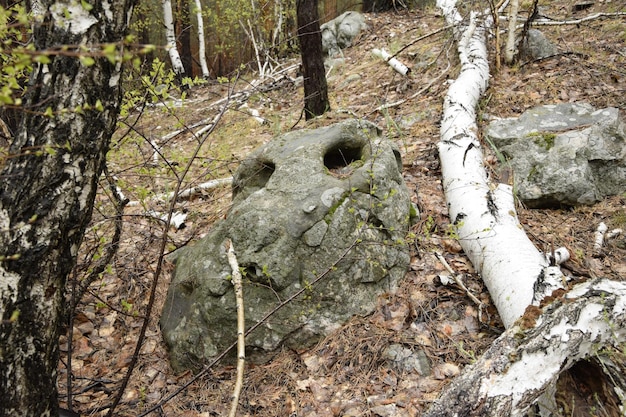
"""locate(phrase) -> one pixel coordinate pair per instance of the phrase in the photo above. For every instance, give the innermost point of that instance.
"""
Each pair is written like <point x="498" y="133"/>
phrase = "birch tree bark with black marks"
<point x="201" y="44"/>
<point x="47" y="189"/>
<point x="170" y="37"/>
<point x="549" y="330"/>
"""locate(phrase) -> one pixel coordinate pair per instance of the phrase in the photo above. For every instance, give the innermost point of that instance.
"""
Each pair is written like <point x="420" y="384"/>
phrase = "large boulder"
<point x="566" y="154"/>
<point x="327" y="201"/>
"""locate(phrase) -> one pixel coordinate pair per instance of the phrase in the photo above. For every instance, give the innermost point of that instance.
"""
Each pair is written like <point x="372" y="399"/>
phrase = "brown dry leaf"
<point x="107" y="327"/>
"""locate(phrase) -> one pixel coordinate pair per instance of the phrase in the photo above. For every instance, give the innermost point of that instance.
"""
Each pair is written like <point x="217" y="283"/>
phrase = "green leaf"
<point x="87" y="61"/>
<point x="110" y="52"/>
<point x="14" y="316"/>
<point x="86" y="5"/>
<point x="42" y="59"/>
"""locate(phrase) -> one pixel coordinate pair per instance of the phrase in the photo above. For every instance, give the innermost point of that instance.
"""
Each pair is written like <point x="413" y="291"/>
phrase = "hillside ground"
<point x="348" y="373"/>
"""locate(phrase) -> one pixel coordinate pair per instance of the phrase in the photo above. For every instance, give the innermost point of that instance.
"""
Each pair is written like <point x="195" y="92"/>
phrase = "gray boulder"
<point x="327" y="201"/>
<point x="565" y="154"/>
<point x="338" y="34"/>
<point x="536" y="46"/>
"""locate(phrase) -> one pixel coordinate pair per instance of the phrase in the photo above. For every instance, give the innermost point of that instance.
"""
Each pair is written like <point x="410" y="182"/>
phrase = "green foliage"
<point x="543" y="139"/>
<point x="16" y="55"/>
<point x="152" y="86"/>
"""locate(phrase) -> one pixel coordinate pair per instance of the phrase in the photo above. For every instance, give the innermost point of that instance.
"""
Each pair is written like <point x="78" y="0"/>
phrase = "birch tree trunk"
<point x="525" y="362"/>
<point x="484" y="214"/>
<point x="47" y="189"/>
<point x="509" y="51"/>
<point x="170" y="37"/>
<point x="201" y="45"/>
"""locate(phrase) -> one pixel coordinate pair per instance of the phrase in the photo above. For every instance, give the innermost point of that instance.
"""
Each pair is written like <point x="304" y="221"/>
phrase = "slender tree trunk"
<point x="509" y="51"/>
<point x="315" y="88"/>
<point x="47" y="189"/>
<point x="183" y="29"/>
<point x="170" y="36"/>
<point x="201" y="44"/>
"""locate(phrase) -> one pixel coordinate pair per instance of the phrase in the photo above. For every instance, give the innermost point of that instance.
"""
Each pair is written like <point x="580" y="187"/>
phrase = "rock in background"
<point x="309" y="202"/>
<point x="338" y="34"/>
<point x="565" y="154"/>
<point x="536" y="46"/>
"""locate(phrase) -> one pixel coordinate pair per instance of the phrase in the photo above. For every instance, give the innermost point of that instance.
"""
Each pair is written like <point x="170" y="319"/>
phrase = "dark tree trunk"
<point x="183" y="31"/>
<point x="310" y="37"/>
<point x="47" y="189"/>
<point x="371" y="6"/>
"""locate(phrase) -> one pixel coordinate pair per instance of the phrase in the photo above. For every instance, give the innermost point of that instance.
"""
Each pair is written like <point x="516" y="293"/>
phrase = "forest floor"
<point x="346" y="374"/>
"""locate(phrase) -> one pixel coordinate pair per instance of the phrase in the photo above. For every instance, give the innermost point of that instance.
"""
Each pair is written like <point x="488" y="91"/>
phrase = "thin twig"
<point x="288" y="300"/>
<point x="420" y="92"/>
<point x="241" y="326"/>
<point x="577" y="21"/>
<point x="421" y="38"/>
<point x="157" y="273"/>
<point x="78" y="291"/>
<point x="460" y="283"/>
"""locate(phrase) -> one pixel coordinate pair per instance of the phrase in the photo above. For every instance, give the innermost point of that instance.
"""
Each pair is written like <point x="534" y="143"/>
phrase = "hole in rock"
<point x="341" y="156"/>
<point x="255" y="177"/>
<point x="257" y="274"/>
<point x="265" y="171"/>
<point x="396" y="153"/>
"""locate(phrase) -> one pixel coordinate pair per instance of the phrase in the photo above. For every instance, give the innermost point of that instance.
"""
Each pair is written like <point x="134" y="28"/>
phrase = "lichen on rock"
<point x="311" y="201"/>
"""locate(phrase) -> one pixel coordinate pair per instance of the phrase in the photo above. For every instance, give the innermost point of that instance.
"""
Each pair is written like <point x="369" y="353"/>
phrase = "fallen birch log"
<point x="523" y="365"/>
<point x="398" y="66"/>
<point x="189" y="192"/>
<point x="525" y="361"/>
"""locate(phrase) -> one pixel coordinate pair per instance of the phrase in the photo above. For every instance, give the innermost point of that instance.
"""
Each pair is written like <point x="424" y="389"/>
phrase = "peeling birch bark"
<point x="513" y="270"/>
<point x="526" y="360"/>
<point x="523" y="365"/>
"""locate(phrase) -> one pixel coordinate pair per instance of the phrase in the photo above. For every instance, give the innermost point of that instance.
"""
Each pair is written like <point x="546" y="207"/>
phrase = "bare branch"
<point x="159" y="268"/>
<point x="241" y="339"/>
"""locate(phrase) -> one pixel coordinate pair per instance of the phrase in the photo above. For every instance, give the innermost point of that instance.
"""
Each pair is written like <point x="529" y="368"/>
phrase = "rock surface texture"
<point x="536" y="46"/>
<point x="338" y="34"/>
<point x="566" y="154"/>
<point x="330" y="200"/>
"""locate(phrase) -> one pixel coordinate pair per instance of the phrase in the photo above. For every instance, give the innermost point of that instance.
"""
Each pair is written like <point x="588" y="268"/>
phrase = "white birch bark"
<point x="398" y="66"/>
<point x="484" y="215"/>
<point x="170" y="37"/>
<point x="509" y="51"/>
<point x="522" y="366"/>
<point x="201" y="45"/>
<point x="525" y="361"/>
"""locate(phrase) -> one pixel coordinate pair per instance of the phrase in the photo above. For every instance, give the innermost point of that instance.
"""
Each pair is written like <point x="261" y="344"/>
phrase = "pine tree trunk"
<point x="47" y="190"/>
<point x="315" y="88"/>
